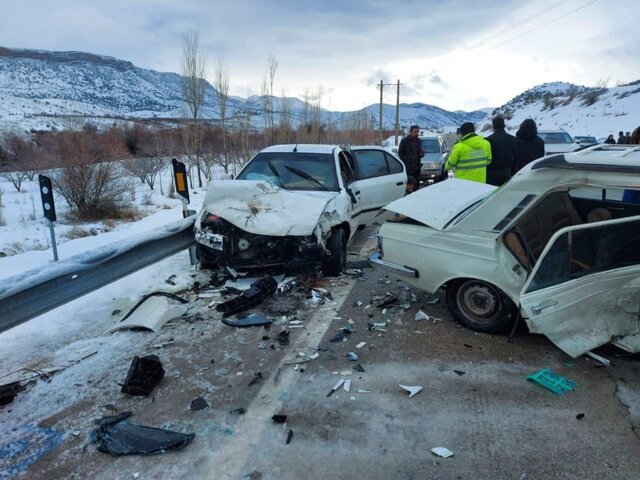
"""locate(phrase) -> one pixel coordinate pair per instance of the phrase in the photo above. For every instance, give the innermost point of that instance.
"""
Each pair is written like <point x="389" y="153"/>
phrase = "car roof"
<point x="300" y="148"/>
<point x="608" y="158"/>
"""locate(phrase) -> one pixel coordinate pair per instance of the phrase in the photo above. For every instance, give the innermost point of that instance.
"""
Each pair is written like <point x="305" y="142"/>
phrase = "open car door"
<point x="584" y="291"/>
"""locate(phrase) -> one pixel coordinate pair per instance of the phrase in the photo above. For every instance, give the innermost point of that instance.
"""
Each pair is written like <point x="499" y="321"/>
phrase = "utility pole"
<point x="381" y="86"/>
<point x="398" y="112"/>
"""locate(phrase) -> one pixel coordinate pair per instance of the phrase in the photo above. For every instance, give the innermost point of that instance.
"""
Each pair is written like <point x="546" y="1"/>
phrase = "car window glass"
<point x="592" y="193"/>
<point x="584" y="251"/>
<point x="345" y="170"/>
<point x="555" y="137"/>
<point x="394" y="164"/>
<point x="430" y="145"/>
<point x="371" y="163"/>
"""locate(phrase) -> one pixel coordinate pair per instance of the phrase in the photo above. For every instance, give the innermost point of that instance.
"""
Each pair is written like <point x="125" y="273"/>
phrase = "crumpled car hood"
<point x="437" y="204"/>
<point x="265" y="209"/>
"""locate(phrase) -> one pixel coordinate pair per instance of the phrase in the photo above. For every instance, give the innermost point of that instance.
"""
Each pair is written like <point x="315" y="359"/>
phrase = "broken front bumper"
<point x="393" y="268"/>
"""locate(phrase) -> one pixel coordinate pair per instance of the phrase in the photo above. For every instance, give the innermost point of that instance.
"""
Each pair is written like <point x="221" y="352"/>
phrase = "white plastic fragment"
<point x="346" y="373"/>
<point x="412" y="389"/>
<point x="598" y="358"/>
<point x="295" y="322"/>
<point x="442" y="452"/>
<point x="136" y="474"/>
<point x="352" y="357"/>
<point x="360" y="390"/>
<point x="314" y="356"/>
<point x="420" y="315"/>
<point x="361" y="344"/>
<point x="338" y="384"/>
<point x="347" y="385"/>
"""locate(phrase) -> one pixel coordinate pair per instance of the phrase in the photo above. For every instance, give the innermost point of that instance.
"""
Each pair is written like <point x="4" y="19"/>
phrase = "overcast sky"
<point x="455" y="54"/>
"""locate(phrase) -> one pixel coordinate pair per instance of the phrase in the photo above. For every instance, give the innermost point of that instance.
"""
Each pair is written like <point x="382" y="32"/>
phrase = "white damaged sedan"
<point x="296" y="206"/>
<point x="558" y="244"/>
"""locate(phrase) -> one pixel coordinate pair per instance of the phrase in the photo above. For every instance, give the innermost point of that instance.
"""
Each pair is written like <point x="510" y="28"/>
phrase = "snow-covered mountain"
<point x="576" y="109"/>
<point x="39" y="89"/>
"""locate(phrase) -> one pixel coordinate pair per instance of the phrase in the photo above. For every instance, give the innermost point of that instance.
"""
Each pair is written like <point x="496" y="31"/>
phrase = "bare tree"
<point x="194" y="87"/>
<point x="267" y="97"/>
<point x="222" y="92"/>
<point x="286" y="119"/>
<point x="14" y="154"/>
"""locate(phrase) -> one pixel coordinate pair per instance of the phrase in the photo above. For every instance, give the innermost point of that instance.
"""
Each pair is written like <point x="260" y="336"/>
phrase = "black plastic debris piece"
<point x="467" y="345"/>
<point x="259" y="290"/>
<point x="257" y="376"/>
<point x="255" y="475"/>
<point x="338" y="337"/>
<point x="198" y="404"/>
<point x="144" y="374"/>
<point x="289" y="436"/>
<point x="580" y="416"/>
<point x="459" y="372"/>
<point x="359" y="368"/>
<point x="238" y="411"/>
<point x="279" y="418"/>
<point x="116" y="436"/>
<point x="391" y="299"/>
<point x="110" y="406"/>
<point x="252" y="320"/>
<point x="9" y="391"/>
<point x="116" y="312"/>
<point x="283" y="338"/>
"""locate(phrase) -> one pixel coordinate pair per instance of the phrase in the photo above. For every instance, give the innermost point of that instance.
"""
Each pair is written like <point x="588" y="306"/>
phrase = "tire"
<point x="334" y="264"/>
<point x="480" y="306"/>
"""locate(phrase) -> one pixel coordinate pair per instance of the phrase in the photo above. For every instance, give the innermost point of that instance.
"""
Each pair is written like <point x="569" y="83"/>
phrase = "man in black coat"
<point x="530" y="145"/>
<point x="504" y="154"/>
<point x="410" y="152"/>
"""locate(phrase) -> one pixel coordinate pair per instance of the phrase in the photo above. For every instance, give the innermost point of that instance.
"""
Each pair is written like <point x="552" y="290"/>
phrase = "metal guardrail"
<point x="30" y="294"/>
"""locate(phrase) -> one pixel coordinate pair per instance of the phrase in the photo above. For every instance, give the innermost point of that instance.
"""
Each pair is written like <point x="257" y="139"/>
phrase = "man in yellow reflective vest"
<point x="470" y="155"/>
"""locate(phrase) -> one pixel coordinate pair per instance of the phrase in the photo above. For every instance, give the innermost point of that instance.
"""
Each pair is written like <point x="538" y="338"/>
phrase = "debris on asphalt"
<point x="346" y="386"/>
<point x="116" y="436"/>
<point x="580" y="416"/>
<point x="198" y="404"/>
<point x="338" y="384"/>
<point x="279" y="418"/>
<point x="352" y="357"/>
<point x="257" y="376"/>
<point x="553" y="381"/>
<point x="287" y="284"/>
<point x="412" y="389"/>
<point x="251" y="320"/>
<point x="359" y="368"/>
<point x="459" y="372"/>
<point x="377" y="326"/>
<point x="238" y="411"/>
<point x="144" y="374"/>
<point x="442" y="452"/>
<point x="340" y="336"/>
<point x="598" y="358"/>
<point x="433" y="301"/>
<point x="420" y="315"/>
<point x="314" y="356"/>
<point x="318" y="294"/>
<point x="344" y="373"/>
<point x="259" y="290"/>
<point x="361" y="344"/>
<point x="360" y="390"/>
<point x="283" y="338"/>
<point x="164" y="344"/>
<point x="151" y="312"/>
<point x="385" y="302"/>
<point x="289" y="437"/>
<point x="357" y="303"/>
<point x="9" y="391"/>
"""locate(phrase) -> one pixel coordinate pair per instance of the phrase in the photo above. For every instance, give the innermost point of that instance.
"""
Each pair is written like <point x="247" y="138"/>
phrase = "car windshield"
<point x="430" y="145"/>
<point x="293" y="170"/>
<point x="555" y="137"/>
<point x="586" y="140"/>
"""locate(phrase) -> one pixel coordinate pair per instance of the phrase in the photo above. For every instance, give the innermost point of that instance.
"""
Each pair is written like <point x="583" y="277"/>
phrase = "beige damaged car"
<point x="559" y="244"/>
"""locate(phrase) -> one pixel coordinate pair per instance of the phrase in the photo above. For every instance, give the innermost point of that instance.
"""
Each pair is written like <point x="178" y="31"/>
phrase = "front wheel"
<point x="336" y="262"/>
<point x="480" y="306"/>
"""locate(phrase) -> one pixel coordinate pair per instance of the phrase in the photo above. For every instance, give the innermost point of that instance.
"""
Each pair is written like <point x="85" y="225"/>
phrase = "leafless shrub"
<point x="3" y="221"/>
<point x="590" y="97"/>
<point x="78" y="232"/>
<point x="147" y="199"/>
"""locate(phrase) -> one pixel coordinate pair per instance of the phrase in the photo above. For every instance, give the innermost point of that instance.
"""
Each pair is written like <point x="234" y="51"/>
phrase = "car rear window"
<point x="555" y="137"/>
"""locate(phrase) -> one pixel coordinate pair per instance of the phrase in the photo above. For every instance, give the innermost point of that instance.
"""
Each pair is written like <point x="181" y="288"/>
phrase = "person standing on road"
<point x="622" y="140"/>
<point x="627" y="137"/>
<point x="410" y="152"/>
<point x="610" y="140"/>
<point x="504" y="154"/>
<point x="470" y="155"/>
<point x="530" y="145"/>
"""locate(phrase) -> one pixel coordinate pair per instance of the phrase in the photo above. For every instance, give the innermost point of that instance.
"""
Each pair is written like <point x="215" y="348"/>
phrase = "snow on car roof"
<point x="614" y="158"/>
<point x="301" y="148"/>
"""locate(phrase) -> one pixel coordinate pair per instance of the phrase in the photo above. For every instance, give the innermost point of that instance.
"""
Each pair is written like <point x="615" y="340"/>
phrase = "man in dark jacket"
<point x="410" y="152"/>
<point x="504" y="153"/>
<point x="530" y="145"/>
<point x="622" y="140"/>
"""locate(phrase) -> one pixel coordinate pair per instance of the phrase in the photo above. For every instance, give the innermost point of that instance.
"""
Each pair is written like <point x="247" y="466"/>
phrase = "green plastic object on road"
<point x="553" y="381"/>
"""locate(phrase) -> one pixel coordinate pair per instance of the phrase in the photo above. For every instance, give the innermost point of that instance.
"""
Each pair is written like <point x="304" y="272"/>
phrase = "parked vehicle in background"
<point x="558" y="244"/>
<point x="294" y="206"/>
<point x="557" y="141"/>
<point x="432" y="164"/>
<point x="585" y="141"/>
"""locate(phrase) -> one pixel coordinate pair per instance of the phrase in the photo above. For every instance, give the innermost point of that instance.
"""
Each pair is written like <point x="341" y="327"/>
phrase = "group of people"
<point x="623" y="139"/>
<point x="493" y="160"/>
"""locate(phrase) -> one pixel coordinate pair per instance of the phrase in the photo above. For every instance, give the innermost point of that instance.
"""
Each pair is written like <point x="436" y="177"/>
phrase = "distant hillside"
<point x="576" y="109"/>
<point x="38" y="89"/>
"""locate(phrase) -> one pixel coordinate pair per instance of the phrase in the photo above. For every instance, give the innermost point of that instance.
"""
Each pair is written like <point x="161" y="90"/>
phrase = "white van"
<point x="557" y="141"/>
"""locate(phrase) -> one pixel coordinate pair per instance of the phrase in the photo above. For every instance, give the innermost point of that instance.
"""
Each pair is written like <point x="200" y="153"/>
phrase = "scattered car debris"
<point x="338" y="384"/>
<point x="279" y="418"/>
<point x="412" y="389"/>
<point x="385" y="302"/>
<point x="361" y="344"/>
<point x="357" y="303"/>
<point x="346" y="386"/>
<point x="359" y="368"/>
<point x="340" y="336"/>
<point x="433" y="301"/>
<point x="251" y="320"/>
<point x="289" y="437"/>
<point x="553" y="381"/>
<point x="259" y="290"/>
<point x="377" y="326"/>
<point x="238" y="411"/>
<point x="257" y="376"/>
<point x="420" y="315"/>
<point x="580" y="416"/>
<point x="144" y="374"/>
<point x="116" y="436"/>
<point x="318" y="294"/>
<point x="598" y="358"/>
<point x="287" y="284"/>
<point x="164" y="344"/>
<point x="352" y="357"/>
<point x="442" y="452"/>
<point x="313" y="356"/>
<point x="360" y="390"/>
<point x="459" y="372"/>
<point x="152" y="312"/>
<point x="283" y="338"/>
<point x="9" y="391"/>
<point x="198" y="404"/>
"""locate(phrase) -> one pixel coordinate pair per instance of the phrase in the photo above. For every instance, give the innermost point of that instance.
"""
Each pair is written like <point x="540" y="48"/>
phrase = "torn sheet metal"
<point x="260" y="289"/>
<point x="115" y="435"/>
<point x="265" y="209"/>
<point x="152" y="314"/>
